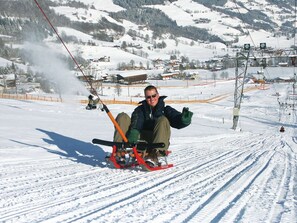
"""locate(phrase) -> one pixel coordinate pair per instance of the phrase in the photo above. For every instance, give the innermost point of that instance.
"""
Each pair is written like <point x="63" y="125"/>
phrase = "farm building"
<point x="129" y="76"/>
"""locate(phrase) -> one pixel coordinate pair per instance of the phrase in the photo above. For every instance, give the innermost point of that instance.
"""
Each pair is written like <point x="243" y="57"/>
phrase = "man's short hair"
<point x="150" y="87"/>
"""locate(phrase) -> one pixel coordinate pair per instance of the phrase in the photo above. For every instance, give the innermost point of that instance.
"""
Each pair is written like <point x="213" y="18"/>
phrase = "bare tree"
<point x="118" y="89"/>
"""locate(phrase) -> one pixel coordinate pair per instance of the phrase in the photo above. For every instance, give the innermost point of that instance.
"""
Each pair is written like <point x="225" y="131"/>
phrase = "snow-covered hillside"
<point x="51" y="172"/>
<point x="232" y="22"/>
<point x="184" y="13"/>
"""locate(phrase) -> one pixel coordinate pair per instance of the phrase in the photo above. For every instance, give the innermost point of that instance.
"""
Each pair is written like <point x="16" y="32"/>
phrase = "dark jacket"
<point x="144" y="118"/>
<point x="93" y="101"/>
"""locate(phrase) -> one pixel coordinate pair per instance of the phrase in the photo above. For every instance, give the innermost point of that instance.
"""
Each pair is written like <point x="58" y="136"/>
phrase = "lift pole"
<point x="240" y="74"/>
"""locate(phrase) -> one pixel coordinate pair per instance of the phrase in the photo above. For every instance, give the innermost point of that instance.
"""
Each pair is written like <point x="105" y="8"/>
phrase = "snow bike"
<point x="126" y="155"/>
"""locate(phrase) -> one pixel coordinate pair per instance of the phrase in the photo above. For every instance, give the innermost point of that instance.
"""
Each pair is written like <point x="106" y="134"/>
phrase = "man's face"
<point x="152" y="97"/>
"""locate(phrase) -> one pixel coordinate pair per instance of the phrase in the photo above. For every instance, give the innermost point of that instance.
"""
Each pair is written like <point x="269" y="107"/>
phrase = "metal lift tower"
<point x="240" y="74"/>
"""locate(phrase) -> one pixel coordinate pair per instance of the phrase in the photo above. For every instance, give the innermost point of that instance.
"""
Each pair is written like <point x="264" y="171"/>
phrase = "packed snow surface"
<point x="51" y="172"/>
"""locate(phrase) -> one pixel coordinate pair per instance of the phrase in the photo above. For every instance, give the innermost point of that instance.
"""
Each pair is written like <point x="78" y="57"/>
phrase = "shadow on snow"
<point x="73" y="149"/>
<point x="76" y="150"/>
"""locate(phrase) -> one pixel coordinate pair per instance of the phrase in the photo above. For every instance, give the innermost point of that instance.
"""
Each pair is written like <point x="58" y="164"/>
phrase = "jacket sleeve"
<point x="96" y="101"/>
<point x="174" y="117"/>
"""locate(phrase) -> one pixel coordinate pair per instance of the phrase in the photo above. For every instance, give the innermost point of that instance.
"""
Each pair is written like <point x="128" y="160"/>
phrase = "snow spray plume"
<point x="48" y="62"/>
<point x="104" y="106"/>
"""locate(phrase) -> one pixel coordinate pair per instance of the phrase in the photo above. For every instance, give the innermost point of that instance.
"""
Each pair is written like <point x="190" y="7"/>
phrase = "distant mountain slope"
<point x="145" y="30"/>
<point x="275" y="17"/>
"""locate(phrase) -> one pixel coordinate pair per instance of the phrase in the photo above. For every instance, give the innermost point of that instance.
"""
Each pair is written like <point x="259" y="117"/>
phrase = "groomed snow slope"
<point x="50" y="172"/>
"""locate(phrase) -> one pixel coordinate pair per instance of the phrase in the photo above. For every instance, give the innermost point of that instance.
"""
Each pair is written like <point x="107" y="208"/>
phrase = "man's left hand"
<point x="186" y="116"/>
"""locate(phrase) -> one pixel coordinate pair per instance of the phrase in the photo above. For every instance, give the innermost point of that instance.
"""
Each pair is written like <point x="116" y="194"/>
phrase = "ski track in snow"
<point x="218" y="179"/>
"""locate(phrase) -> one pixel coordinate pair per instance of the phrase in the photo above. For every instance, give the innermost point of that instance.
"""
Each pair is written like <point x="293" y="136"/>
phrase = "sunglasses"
<point x="151" y="96"/>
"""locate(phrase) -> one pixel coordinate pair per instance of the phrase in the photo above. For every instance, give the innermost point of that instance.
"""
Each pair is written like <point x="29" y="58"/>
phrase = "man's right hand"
<point x="133" y="135"/>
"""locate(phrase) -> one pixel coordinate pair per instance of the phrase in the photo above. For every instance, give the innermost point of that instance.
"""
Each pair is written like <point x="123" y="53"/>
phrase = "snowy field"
<point x="51" y="172"/>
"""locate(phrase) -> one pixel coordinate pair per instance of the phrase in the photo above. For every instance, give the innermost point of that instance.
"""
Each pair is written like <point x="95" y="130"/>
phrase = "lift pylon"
<point x="242" y="59"/>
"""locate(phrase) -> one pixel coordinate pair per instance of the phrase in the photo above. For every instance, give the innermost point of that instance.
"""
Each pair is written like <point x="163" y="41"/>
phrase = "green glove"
<point x="133" y="135"/>
<point x="186" y="116"/>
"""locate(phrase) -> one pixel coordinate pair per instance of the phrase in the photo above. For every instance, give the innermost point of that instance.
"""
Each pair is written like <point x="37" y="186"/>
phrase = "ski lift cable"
<point x="237" y="8"/>
<point x="290" y="101"/>
<point x="253" y="43"/>
<point x="103" y="106"/>
<point x="283" y="106"/>
<point x="61" y="40"/>
<point x="294" y="33"/>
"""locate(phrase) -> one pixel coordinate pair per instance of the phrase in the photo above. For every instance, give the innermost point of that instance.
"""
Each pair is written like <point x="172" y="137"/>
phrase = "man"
<point x="151" y="122"/>
<point x="92" y="103"/>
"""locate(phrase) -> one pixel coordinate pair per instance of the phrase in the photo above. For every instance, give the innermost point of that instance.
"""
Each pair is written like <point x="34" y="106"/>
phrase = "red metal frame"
<point x="140" y="161"/>
<point x="146" y="166"/>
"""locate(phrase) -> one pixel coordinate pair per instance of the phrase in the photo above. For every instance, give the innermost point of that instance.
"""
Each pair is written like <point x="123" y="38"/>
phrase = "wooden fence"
<point x="168" y="101"/>
<point x="30" y="97"/>
<point x="116" y="101"/>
